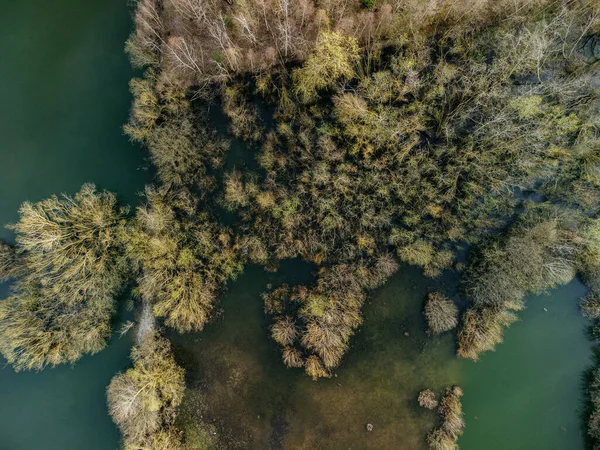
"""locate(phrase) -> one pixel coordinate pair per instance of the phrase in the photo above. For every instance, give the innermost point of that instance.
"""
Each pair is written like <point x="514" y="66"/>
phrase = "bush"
<point x="314" y="368"/>
<point x="482" y="330"/>
<point x="427" y="399"/>
<point x="438" y="440"/>
<point x="368" y="3"/>
<point x="333" y="58"/>
<point x="590" y="306"/>
<point x="446" y="437"/>
<point x="184" y="258"/>
<point x="292" y="357"/>
<point x="284" y="332"/>
<point x="8" y="261"/>
<point x="440" y="312"/>
<point x="537" y="253"/>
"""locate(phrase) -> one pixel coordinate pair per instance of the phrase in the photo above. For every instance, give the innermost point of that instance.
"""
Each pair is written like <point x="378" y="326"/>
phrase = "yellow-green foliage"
<point x="243" y="115"/>
<point x="535" y="257"/>
<point x="482" y="329"/>
<point x="37" y="329"/>
<point x="180" y="145"/>
<point x="143" y="401"/>
<point x="412" y="150"/>
<point x="184" y="258"/>
<point x="8" y="262"/>
<point x="314" y="368"/>
<point x="590" y="306"/>
<point x="334" y="57"/>
<point x="72" y="245"/>
<point x="578" y="179"/>
<point x="328" y="312"/>
<point x="69" y="267"/>
<point x="589" y="256"/>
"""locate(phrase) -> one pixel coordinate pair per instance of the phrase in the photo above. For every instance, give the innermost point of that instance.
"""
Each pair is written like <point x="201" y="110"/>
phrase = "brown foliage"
<point x="440" y="312"/>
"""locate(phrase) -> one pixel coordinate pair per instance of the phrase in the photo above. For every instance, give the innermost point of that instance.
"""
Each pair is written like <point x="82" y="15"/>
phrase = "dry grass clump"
<point x="292" y="357"/>
<point x="284" y="332"/>
<point x="315" y="368"/>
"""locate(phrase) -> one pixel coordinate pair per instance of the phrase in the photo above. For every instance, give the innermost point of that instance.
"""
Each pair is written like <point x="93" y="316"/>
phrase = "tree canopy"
<point x="69" y="266"/>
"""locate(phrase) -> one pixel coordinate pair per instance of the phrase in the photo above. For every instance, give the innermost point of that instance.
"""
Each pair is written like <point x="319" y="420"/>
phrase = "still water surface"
<point x="63" y="85"/>
<point x="64" y="95"/>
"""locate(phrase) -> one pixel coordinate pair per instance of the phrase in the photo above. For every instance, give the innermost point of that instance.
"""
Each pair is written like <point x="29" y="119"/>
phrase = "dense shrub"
<point x="440" y="312"/>
<point x="427" y="399"/>
<point x="537" y="253"/>
<point x="184" y="258"/>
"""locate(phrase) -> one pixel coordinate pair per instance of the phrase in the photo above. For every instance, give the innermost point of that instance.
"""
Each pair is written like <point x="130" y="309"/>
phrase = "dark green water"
<point x="63" y="86"/>
<point x="64" y="95"/>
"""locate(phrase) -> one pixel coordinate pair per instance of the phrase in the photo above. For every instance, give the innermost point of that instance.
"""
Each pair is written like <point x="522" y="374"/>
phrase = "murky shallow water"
<point x="524" y="396"/>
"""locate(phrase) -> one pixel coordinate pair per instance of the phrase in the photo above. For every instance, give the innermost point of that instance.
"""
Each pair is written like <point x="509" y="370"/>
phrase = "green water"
<point x="525" y="396"/>
<point x="528" y="394"/>
<point x="64" y="95"/>
<point x="63" y="86"/>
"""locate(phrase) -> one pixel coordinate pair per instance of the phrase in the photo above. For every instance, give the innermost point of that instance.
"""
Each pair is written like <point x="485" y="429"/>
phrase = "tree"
<point x="72" y="246"/>
<point x="333" y="57"/>
<point x="70" y="266"/>
<point x="184" y="258"/>
<point x="143" y="401"/>
<point x="38" y="329"/>
<point x="482" y="330"/>
<point x="8" y="261"/>
<point x="538" y="252"/>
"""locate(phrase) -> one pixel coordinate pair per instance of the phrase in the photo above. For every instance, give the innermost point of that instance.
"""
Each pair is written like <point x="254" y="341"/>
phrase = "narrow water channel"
<point x="64" y="100"/>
